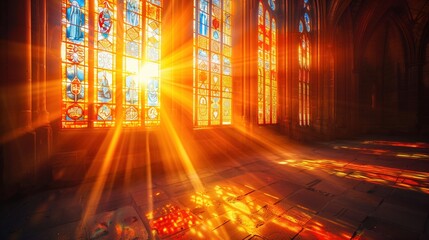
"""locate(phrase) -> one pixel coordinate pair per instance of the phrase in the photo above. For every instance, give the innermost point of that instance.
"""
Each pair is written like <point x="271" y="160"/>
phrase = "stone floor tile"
<point x="360" y="201"/>
<point x="374" y="228"/>
<point x="338" y="212"/>
<point x="313" y="201"/>
<point x="141" y="197"/>
<point x="320" y="228"/>
<point x="409" y="219"/>
<point x="403" y="197"/>
<point x="70" y="231"/>
<point x="230" y="231"/>
<point x="254" y="180"/>
<point x="279" y="228"/>
<point x="298" y="215"/>
<point x="280" y="189"/>
<point x="262" y="196"/>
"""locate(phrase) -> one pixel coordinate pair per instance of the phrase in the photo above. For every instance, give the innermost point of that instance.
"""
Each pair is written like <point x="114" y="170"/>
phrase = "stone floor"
<point x="356" y="189"/>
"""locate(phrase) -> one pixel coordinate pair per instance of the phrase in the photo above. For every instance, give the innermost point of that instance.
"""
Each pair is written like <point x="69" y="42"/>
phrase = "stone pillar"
<point x="40" y="114"/>
<point x="18" y="138"/>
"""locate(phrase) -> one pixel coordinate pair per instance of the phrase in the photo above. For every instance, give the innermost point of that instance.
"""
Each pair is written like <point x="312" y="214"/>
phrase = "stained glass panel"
<point x="74" y="54"/>
<point x="105" y="64"/>
<point x="152" y="71"/>
<point x="132" y="55"/>
<point x="304" y="59"/>
<point x="272" y="4"/>
<point x="267" y="67"/>
<point x="212" y="66"/>
<point x="117" y="83"/>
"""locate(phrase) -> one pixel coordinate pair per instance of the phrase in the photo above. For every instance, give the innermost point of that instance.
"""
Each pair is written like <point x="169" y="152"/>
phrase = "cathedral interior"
<point x="214" y="119"/>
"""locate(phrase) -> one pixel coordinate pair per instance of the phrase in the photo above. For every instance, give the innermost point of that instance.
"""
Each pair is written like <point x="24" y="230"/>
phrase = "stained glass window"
<point x="110" y="77"/>
<point x="304" y="60"/>
<point x="74" y="55"/>
<point x="132" y="52"/>
<point x="212" y="63"/>
<point x="272" y="4"/>
<point x="153" y="63"/>
<point x="105" y="64"/>
<point x="267" y="66"/>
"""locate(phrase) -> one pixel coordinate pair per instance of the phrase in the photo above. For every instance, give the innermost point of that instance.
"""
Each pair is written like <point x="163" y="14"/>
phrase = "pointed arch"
<point x="267" y="64"/>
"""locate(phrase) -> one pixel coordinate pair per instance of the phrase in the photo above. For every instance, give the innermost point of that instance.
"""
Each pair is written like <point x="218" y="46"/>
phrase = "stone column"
<point x="40" y="114"/>
<point x="18" y="138"/>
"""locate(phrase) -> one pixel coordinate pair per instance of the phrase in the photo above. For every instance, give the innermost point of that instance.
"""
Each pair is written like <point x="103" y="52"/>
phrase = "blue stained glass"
<point x="272" y="4"/>
<point x="132" y="49"/>
<point x="204" y="6"/>
<point x="75" y="72"/>
<point x="152" y="94"/>
<point x="131" y="95"/>
<point x="203" y="55"/>
<point x="216" y="35"/>
<point x="215" y="58"/>
<point x="132" y="12"/>
<point x="76" y="20"/>
<point x="156" y="2"/>
<point x="216" y="2"/>
<point x="203" y="29"/>
<point x="305" y="1"/>
<point x="307" y="21"/>
<point x="226" y="61"/>
<point x="301" y="26"/>
<point x="105" y="91"/>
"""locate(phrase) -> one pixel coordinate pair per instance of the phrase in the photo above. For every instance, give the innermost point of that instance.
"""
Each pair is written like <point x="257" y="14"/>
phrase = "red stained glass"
<point x="212" y="34"/>
<point x="267" y="60"/>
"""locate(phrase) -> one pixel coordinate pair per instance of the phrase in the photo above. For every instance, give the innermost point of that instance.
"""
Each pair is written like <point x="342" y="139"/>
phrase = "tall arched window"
<point x="111" y="68"/>
<point x="267" y="65"/>
<point x="304" y="59"/>
<point x="212" y="63"/>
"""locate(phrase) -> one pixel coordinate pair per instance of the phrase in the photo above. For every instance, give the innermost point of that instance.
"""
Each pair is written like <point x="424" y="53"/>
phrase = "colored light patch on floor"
<point x="123" y="223"/>
<point x="173" y="220"/>
<point x="401" y="178"/>
<point x="398" y="144"/>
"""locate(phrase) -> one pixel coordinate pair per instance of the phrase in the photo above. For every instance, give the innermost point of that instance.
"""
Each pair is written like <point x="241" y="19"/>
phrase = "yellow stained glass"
<point x="212" y="63"/>
<point x="267" y="70"/>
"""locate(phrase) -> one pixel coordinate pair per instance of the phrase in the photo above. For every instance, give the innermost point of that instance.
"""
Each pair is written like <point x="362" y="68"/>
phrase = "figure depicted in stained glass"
<point x="132" y="10"/>
<point x="76" y="20"/>
<point x="131" y="93"/>
<point x="105" y="20"/>
<point x="104" y="93"/>
<point x="152" y="96"/>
